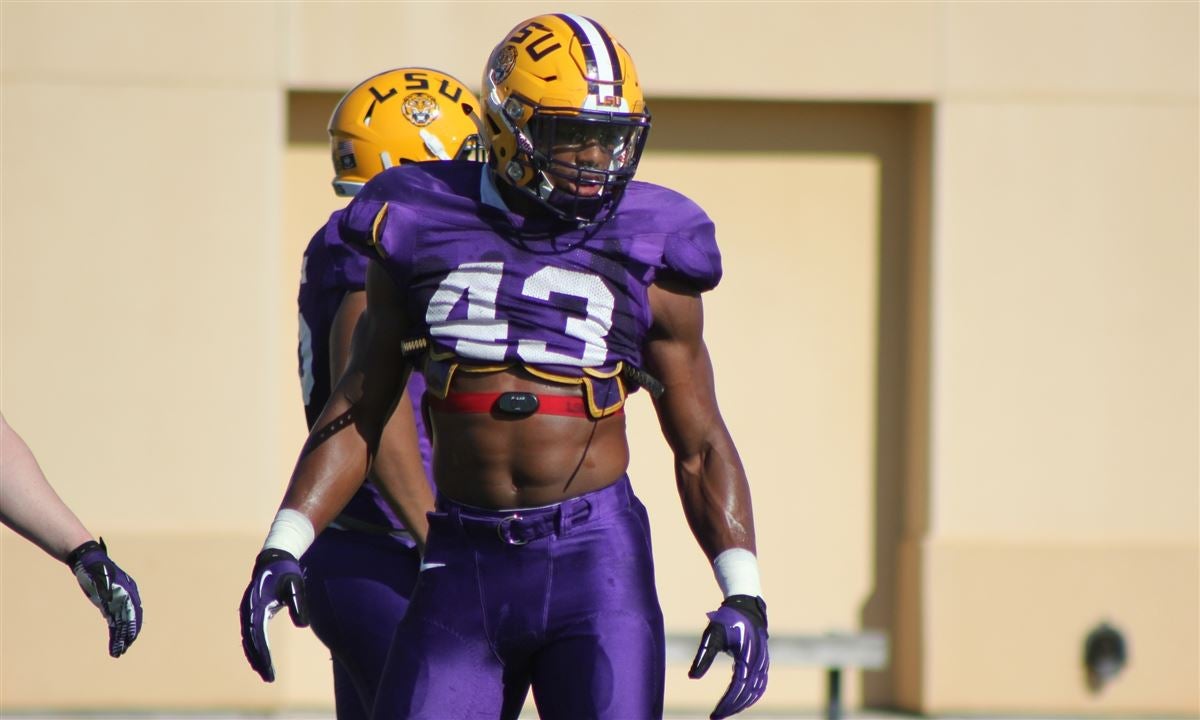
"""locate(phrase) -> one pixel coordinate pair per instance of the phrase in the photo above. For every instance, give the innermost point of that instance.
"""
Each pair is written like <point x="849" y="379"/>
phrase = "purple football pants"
<point x="561" y="598"/>
<point x="358" y="586"/>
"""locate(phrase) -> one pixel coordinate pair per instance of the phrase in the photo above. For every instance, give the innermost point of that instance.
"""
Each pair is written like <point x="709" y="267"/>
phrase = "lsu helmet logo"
<point x="506" y="59"/>
<point x="420" y="109"/>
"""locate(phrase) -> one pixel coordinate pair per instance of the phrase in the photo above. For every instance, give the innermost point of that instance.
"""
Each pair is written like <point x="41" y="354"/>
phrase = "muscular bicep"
<point x="675" y="353"/>
<point x="376" y="370"/>
<point x="375" y="374"/>
<point x="341" y="333"/>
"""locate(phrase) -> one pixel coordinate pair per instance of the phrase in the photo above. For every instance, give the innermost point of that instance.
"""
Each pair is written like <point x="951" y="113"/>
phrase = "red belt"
<point x="460" y="402"/>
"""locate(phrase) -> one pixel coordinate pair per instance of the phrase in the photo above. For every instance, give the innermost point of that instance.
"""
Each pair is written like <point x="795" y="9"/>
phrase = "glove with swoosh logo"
<point x="739" y="628"/>
<point x="277" y="581"/>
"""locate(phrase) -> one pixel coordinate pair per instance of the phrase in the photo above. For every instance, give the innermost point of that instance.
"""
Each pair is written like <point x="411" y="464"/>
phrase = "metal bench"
<point x="833" y="651"/>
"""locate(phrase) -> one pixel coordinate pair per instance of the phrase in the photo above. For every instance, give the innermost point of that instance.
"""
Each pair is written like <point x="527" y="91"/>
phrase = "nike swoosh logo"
<point x="742" y="646"/>
<point x="263" y="581"/>
<point x="430" y="566"/>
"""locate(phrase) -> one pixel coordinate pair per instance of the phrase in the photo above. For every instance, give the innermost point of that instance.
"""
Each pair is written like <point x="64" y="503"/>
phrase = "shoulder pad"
<point x="677" y="235"/>
<point x="331" y="264"/>
<point x="378" y="230"/>
<point x="693" y="257"/>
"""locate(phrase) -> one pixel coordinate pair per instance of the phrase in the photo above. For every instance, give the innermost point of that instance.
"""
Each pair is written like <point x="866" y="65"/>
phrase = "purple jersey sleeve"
<point x="328" y="270"/>
<point x="672" y="234"/>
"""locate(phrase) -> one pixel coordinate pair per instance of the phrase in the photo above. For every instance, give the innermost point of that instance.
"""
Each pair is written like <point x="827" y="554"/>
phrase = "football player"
<point x="359" y="573"/>
<point x="30" y="507"/>
<point x="535" y="292"/>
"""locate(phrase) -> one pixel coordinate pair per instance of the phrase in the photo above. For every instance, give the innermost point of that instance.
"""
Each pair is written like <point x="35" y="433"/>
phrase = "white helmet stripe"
<point x="605" y="62"/>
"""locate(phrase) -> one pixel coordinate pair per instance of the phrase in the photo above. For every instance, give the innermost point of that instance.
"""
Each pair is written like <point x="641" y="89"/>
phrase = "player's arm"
<point x="332" y="464"/>
<point x="397" y="470"/>
<point x="715" y="493"/>
<point x="708" y="472"/>
<point x="345" y="439"/>
<point x="31" y="507"/>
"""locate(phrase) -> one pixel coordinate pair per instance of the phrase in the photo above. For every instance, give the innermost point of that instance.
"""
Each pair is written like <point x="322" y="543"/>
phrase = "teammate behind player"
<point x="545" y="281"/>
<point x="359" y="573"/>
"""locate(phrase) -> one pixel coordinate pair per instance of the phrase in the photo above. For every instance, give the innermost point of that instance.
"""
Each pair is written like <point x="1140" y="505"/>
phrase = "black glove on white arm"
<point x="110" y="589"/>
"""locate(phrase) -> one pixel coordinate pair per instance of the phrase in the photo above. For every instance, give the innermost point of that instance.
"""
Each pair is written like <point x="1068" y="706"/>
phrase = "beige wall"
<point x="1063" y="477"/>
<point x="979" y="313"/>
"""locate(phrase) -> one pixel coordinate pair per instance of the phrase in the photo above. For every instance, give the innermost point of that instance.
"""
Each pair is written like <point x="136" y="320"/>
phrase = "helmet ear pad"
<point x="550" y="74"/>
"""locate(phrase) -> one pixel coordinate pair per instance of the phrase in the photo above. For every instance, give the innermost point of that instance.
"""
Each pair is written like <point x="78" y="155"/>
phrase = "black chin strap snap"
<point x="517" y="403"/>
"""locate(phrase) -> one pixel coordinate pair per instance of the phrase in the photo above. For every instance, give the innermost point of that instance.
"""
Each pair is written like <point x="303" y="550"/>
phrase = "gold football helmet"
<point x="405" y="115"/>
<point x="565" y="119"/>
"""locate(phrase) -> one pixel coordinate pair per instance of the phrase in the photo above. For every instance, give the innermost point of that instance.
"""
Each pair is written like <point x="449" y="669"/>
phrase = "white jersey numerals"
<point x="483" y="336"/>
<point x="306" y="360"/>
<point x="480" y="335"/>
<point x="591" y="330"/>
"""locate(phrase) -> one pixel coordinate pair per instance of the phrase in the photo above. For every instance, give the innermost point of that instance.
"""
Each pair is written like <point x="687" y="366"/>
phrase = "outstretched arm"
<point x="30" y="506"/>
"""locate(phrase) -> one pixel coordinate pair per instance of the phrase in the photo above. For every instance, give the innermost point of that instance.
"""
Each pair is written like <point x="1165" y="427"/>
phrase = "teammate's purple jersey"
<point x="331" y="269"/>
<point x="497" y="288"/>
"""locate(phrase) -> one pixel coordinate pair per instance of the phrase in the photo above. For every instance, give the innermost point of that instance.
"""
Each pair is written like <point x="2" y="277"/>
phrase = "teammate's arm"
<point x="31" y="507"/>
<point x="398" y="470"/>
<point x="715" y="493"/>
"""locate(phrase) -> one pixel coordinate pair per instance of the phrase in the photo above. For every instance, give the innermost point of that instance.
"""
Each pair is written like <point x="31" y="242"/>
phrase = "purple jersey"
<point x="331" y="269"/>
<point x="498" y="289"/>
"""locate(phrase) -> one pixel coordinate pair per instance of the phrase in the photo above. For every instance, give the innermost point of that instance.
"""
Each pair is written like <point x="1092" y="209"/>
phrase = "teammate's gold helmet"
<point x="404" y="115"/>
<point x="557" y="89"/>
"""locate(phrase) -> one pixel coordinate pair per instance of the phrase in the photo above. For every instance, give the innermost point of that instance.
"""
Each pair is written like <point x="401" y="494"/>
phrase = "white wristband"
<point x="737" y="573"/>
<point x="291" y="531"/>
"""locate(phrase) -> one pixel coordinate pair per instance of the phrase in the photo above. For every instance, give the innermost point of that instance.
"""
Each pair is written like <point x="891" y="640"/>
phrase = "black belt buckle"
<point x="517" y="403"/>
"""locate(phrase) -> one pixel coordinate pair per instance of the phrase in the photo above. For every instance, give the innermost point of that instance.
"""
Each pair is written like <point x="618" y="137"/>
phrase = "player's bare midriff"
<point x="498" y="462"/>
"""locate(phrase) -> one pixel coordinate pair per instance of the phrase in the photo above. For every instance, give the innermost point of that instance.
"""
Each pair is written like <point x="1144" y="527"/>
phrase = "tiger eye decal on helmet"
<point x="566" y="120"/>
<point x="405" y="115"/>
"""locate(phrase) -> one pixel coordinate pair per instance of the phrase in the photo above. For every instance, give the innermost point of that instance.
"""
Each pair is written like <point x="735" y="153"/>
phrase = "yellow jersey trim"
<point x="376" y="224"/>
<point x="449" y="360"/>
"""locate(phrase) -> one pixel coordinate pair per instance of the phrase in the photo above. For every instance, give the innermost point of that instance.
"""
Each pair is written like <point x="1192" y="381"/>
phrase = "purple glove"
<point x="111" y="590"/>
<point x="738" y="627"/>
<point x="277" y="581"/>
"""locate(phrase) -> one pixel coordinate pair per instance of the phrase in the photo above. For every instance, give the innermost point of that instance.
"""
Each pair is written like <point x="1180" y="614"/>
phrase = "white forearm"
<point x="29" y="505"/>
